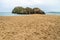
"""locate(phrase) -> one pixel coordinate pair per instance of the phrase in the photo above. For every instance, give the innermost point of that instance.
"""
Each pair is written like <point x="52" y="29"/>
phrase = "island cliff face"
<point x="27" y="10"/>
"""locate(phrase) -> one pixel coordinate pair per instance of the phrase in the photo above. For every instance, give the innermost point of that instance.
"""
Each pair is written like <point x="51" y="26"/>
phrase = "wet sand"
<point x="33" y="27"/>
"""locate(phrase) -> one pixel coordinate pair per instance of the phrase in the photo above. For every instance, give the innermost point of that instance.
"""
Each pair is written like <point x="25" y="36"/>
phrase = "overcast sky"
<point x="46" y="5"/>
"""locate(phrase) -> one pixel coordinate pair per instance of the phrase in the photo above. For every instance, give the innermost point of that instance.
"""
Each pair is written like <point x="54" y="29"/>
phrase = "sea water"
<point x="12" y="14"/>
<point x="7" y="14"/>
<point x="53" y="13"/>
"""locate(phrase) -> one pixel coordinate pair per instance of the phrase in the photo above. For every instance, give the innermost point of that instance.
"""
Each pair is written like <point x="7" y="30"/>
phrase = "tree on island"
<point x="27" y="10"/>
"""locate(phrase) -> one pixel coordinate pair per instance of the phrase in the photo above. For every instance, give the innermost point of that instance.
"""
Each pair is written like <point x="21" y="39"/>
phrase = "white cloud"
<point x="49" y="4"/>
<point x="29" y="2"/>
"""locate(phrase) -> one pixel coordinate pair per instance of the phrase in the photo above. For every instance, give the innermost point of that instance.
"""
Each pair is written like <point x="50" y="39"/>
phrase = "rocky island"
<point x="27" y="10"/>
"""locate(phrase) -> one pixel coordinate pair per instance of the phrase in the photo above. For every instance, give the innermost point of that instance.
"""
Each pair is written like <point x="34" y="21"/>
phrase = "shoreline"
<point x="30" y="15"/>
<point x="11" y="14"/>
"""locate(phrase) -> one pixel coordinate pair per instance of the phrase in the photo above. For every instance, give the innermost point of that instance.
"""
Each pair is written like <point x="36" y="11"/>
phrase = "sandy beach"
<point x="33" y="27"/>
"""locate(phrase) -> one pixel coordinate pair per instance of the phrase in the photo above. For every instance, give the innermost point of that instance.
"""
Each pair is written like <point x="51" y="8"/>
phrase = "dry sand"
<point x="33" y="27"/>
